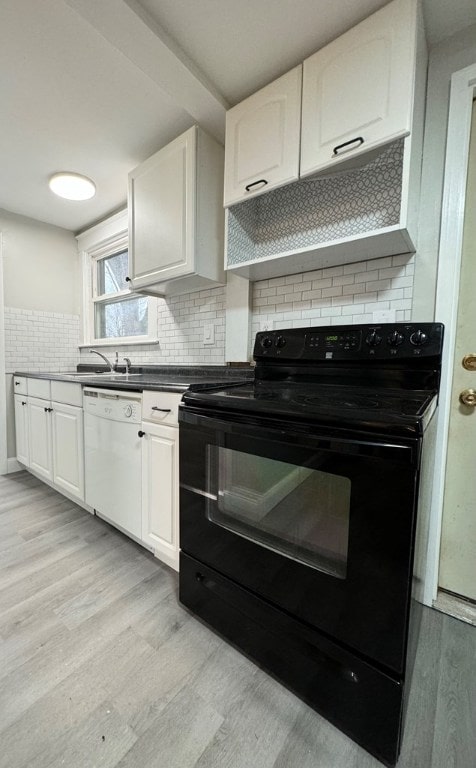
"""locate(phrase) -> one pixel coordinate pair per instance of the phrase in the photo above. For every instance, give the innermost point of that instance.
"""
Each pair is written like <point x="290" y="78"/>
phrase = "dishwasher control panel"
<point x="113" y="404"/>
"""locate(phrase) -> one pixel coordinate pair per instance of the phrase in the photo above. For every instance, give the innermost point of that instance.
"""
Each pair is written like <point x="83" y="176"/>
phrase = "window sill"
<point x="118" y="343"/>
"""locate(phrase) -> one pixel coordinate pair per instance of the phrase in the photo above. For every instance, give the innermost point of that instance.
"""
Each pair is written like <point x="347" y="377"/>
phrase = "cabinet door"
<point x="21" y="429"/>
<point x="39" y="422"/>
<point x="358" y="90"/>
<point x="262" y="139"/>
<point x="162" y="213"/>
<point x="160" y="487"/>
<point x="68" y="449"/>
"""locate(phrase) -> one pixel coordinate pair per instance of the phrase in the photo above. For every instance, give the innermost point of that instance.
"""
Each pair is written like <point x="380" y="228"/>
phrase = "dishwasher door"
<point x="113" y="457"/>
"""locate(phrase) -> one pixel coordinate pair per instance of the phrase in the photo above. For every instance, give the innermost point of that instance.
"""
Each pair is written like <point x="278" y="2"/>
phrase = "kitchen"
<point x="42" y="328"/>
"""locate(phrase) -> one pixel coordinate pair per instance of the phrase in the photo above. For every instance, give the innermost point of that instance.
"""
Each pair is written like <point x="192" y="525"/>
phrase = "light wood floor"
<point x="100" y="666"/>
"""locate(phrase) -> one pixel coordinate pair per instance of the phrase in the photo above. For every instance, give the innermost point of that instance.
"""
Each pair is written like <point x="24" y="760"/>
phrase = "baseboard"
<point x="14" y="466"/>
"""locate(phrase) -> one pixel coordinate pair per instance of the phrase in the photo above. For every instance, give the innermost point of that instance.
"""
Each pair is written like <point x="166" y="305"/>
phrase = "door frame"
<point x="3" y="389"/>
<point x="462" y="93"/>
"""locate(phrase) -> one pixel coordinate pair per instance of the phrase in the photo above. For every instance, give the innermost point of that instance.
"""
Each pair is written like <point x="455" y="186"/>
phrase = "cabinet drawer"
<point x="67" y="392"/>
<point x="39" y="388"/>
<point x="19" y="385"/>
<point x="161" y="407"/>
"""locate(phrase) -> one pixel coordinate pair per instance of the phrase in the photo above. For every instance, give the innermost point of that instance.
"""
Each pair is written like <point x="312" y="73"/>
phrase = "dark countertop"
<point x="157" y="378"/>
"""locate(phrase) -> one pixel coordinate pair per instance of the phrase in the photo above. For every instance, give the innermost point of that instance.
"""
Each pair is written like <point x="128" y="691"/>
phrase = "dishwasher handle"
<point x="162" y="410"/>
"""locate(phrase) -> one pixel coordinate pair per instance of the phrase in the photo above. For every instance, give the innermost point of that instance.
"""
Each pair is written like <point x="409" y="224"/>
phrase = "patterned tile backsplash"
<point x="48" y="341"/>
<point x="338" y="295"/>
<point x="318" y="210"/>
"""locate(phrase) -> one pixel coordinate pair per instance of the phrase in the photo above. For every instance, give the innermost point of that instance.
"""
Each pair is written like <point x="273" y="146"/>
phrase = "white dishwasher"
<point x="112" y="448"/>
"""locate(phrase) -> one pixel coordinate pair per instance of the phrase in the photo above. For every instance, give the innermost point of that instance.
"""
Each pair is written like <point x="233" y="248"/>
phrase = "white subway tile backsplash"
<point x="347" y="294"/>
<point x="40" y="341"/>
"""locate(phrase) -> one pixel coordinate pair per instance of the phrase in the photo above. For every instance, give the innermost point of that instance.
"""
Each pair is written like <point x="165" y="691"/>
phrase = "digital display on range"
<point x="343" y="341"/>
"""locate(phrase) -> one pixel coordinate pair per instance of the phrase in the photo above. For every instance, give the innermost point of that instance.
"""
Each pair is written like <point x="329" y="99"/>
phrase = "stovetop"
<point x="379" y="378"/>
<point x="383" y="409"/>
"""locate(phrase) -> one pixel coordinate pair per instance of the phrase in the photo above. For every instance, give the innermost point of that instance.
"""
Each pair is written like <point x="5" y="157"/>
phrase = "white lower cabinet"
<point x="160" y="490"/>
<point x="160" y="475"/>
<point x="39" y="427"/>
<point x="21" y="429"/>
<point x="68" y="448"/>
<point x="49" y="436"/>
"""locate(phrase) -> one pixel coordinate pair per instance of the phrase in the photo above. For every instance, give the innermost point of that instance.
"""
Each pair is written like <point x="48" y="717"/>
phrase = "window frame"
<point x="107" y="239"/>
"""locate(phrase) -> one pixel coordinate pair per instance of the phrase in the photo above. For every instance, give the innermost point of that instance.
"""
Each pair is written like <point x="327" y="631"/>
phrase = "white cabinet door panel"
<point x="160" y="491"/>
<point x="262" y="139"/>
<point x="39" y="420"/>
<point x="161" y="199"/>
<point x="21" y="429"/>
<point x="358" y="90"/>
<point x="68" y="454"/>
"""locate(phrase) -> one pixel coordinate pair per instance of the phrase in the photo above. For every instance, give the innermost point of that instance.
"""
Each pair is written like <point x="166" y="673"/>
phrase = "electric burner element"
<point x="348" y="402"/>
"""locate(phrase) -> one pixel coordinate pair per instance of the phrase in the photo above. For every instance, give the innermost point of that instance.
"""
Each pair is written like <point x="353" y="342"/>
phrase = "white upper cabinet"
<point x="262" y="139"/>
<point x="176" y="217"/>
<point x="358" y="90"/>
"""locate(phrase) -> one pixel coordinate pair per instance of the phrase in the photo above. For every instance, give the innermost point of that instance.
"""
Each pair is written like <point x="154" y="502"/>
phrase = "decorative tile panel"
<point x="318" y="210"/>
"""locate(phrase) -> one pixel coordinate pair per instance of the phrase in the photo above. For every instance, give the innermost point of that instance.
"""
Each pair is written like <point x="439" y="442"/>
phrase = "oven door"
<point x="321" y="526"/>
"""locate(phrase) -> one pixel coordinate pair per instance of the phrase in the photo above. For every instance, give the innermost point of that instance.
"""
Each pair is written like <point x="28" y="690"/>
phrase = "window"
<point x="112" y="314"/>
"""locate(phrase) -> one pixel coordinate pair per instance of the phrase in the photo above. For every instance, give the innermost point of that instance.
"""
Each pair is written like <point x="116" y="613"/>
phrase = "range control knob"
<point x="267" y="342"/>
<point x="280" y="341"/>
<point x="373" y="339"/>
<point x="418" y="338"/>
<point x="394" y="339"/>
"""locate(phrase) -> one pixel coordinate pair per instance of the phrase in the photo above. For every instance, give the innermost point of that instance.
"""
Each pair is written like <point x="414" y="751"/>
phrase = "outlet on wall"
<point x="266" y="325"/>
<point x="209" y="334"/>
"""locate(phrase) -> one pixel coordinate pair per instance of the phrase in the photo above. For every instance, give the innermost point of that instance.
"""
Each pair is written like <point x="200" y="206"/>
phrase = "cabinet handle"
<point x="17" y="383"/>
<point x="128" y="280"/>
<point x="162" y="410"/>
<point x="358" y="139"/>
<point x="23" y="402"/>
<point x="140" y="433"/>
<point x="249" y="187"/>
<point x="48" y="410"/>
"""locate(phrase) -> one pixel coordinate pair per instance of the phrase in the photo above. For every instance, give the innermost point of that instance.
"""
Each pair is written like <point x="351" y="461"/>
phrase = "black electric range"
<point x="299" y="514"/>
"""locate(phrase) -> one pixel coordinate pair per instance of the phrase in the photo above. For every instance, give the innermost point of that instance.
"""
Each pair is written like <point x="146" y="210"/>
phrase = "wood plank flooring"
<point x="101" y="667"/>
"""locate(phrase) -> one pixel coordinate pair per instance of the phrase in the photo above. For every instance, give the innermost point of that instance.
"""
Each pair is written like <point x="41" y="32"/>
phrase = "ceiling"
<point x="97" y="87"/>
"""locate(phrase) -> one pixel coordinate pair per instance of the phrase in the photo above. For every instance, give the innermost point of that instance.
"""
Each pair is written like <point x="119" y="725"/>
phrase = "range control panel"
<point x="385" y="341"/>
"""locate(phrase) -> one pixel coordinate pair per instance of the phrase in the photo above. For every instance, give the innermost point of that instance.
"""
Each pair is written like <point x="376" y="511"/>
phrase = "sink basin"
<point x="115" y="375"/>
<point x="93" y="375"/>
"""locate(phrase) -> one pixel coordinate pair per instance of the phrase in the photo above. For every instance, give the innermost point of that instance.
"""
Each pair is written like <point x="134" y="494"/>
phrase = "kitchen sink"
<point x="93" y="375"/>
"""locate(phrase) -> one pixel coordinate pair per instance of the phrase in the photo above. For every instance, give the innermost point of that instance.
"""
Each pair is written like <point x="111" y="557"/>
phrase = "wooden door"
<point x="457" y="571"/>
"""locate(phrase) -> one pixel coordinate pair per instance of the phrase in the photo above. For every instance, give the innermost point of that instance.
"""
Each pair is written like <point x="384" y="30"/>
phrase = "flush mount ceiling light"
<point x="72" y="186"/>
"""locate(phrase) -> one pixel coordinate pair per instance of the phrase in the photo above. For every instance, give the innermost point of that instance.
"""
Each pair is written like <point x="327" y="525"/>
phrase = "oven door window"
<point x="299" y="512"/>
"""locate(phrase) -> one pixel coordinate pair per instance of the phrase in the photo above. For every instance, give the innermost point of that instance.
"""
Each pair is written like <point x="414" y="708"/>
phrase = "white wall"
<point x="447" y="57"/>
<point x="41" y="270"/>
<point x="41" y="300"/>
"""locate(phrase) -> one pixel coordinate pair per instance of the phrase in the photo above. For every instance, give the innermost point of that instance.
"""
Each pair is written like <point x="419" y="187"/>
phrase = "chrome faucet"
<point x="128" y="364"/>
<point x="108" y="362"/>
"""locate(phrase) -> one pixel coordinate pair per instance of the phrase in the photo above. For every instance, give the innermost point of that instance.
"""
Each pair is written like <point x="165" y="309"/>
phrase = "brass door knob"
<point x="469" y="362"/>
<point x="468" y="397"/>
